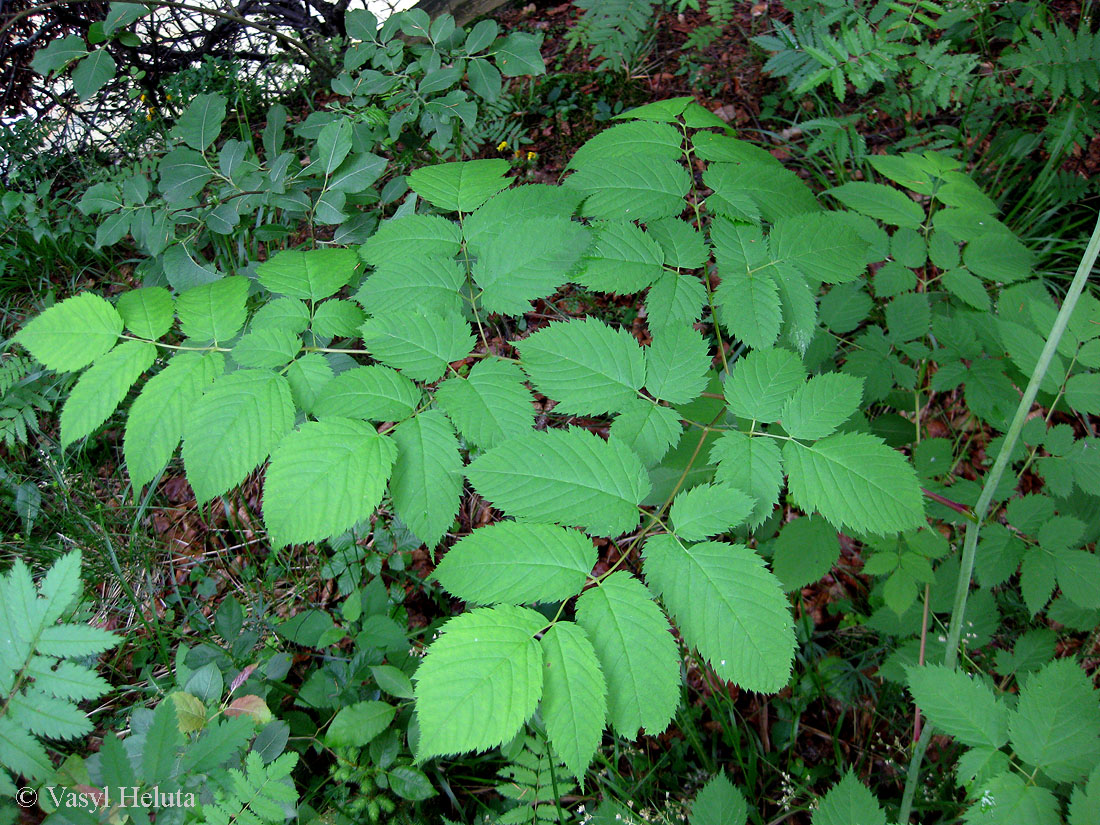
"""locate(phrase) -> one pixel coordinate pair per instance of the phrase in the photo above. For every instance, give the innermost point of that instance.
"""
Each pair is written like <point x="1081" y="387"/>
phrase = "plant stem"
<point x="970" y="542"/>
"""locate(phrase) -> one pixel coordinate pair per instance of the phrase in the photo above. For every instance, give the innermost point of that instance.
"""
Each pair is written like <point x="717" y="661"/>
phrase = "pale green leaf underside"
<point x="419" y="344"/>
<point x="70" y="335"/>
<point x="103" y="387"/>
<point x="490" y="405"/>
<point x="427" y="480"/>
<point x="574" y="696"/>
<point x="374" y="393"/>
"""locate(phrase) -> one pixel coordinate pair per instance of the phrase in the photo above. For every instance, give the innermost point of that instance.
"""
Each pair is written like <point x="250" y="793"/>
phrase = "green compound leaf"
<point x="634" y="188"/>
<point x="884" y="203"/>
<point x="819" y="245"/>
<point x="323" y="478"/>
<point x="849" y="803"/>
<point x="621" y="259"/>
<point x="427" y="283"/>
<point x="461" y="186"/>
<point x="147" y="312"/>
<point x="752" y="465"/>
<point x="959" y="705"/>
<point x="806" y="549"/>
<point x="201" y="122"/>
<point x="308" y="274"/>
<point x="855" y="481"/>
<point x="571" y="477"/>
<point x="269" y="348"/>
<point x="489" y="406"/>
<point x="708" y="510"/>
<point x="625" y="140"/>
<point x="375" y="393"/>
<point x="574" y="695"/>
<point x="762" y="381"/>
<point x="281" y="313"/>
<point x="778" y="192"/>
<point x="719" y="803"/>
<point x="647" y="429"/>
<point x="587" y="366"/>
<point x="233" y="428"/>
<point x="70" y="335"/>
<point x="419" y="344"/>
<point x="511" y="274"/>
<point x="427" y="481"/>
<point x="356" y="725"/>
<point x="636" y="652"/>
<point x="420" y="236"/>
<point x="155" y="424"/>
<point x="213" y="312"/>
<point x="821" y="405"/>
<point x="103" y="387"/>
<point x="517" y="563"/>
<point x="729" y="606"/>
<point x="1083" y="393"/>
<point x="503" y="212"/>
<point x="1056" y="724"/>
<point x="677" y="363"/>
<point x="481" y="680"/>
<point x="747" y="304"/>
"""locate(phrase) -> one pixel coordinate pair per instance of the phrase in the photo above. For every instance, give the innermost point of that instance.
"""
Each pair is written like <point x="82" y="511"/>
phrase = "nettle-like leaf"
<point x="374" y="393"/>
<point x="427" y="479"/>
<point x="570" y="477"/>
<point x="428" y="283"/>
<point x="309" y="275"/>
<point x="103" y="387"/>
<point x="677" y="363"/>
<point x="819" y="406"/>
<point x="490" y="405"/>
<point x="426" y="235"/>
<point x="761" y="383"/>
<point x="621" y="259"/>
<point x="708" y="510"/>
<point x="420" y="344"/>
<point x="752" y="465"/>
<point x="720" y="802"/>
<point x="72" y="334"/>
<point x="649" y="430"/>
<point x="848" y="803"/>
<point x="634" y="188"/>
<point x="728" y="606"/>
<point x="960" y="705"/>
<point x="460" y="187"/>
<point x="481" y="680"/>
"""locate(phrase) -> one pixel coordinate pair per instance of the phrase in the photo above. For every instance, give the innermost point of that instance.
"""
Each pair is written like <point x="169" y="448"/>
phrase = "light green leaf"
<point x="517" y="563"/>
<point x="490" y="405"/>
<point x="337" y="319"/>
<point x="632" y="188"/>
<point x="884" y="203"/>
<point x="427" y="480"/>
<point x="752" y="465"/>
<point x="761" y="382"/>
<point x="806" y="549"/>
<point x="518" y="54"/>
<point x="58" y="54"/>
<point x="201" y="122"/>
<point x="417" y="236"/>
<point x="574" y="696"/>
<point x="213" y="312"/>
<point x="333" y="144"/>
<point x="103" y="387"/>
<point x="269" y="348"/>
<point x="156" y="421"/>
<point x="354" y="726"/>
<point x="357" y="173"/>
<point x="324" y="478"/>
<point x="71" y="334"/>
<point x="1083" y="393"/>
<point x="67" y="680"/>
<point x="821" y="405"/>
<point x="677" y="363"/>
<point x="708" y="510"/>
<point x="307" y="274"/>
<point x="233" y="428"/>
<point x="307" y="376"/>
<point x="636" y="652"/>
<point x="1009" y="800"/>
<point x="375" y="393"/>
<point x="183" y="174"/>
<point x="147" y="312"/>
<point x="48" y="717"/>
<point x="649" y="430"/>
<point x="967" y="288"/>
<point x="621" y="259"/>
<point x="431" y="284"/>
<point x="511" y="274"/>
<point x="504" y="211"/>
<point x="855" y="481"/>
<point x="673" y="300"/>
<point x="959" y="705"/>
<point x="719" y="803"/>
<point x="68" y="641"/>
<point x="820" y="245"/>
<point x="585" y="365"/>
<point x="419" y="344"/>
<point x="778" y="192"/>
<point x="683" y="246"/>
<point x="21" y="752"/>
<point x="729" y="606"/>
<point x="849" y="803"/>
<point x="481" y="680"/>
<point x="624" y="140"/>
<point x="460" y="186"/>
<point x="748" y="306"/>
<point x="571" y="477"/>
<point x="92" y="73"/>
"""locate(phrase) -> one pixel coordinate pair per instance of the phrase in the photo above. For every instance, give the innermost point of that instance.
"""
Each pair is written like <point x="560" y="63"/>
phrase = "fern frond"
<point x="1059" y="59"/>
<point x="530" y="782"/>
<point x="618" y="32"/>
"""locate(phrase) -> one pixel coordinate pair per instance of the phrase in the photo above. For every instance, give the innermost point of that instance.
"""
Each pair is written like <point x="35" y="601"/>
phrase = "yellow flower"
<point x="143" y="97"/>
<point x="168" y="97"/>
<point x="532" y="155"/>
<point x="517" y="154"/>
<point x="149" y="118"/>
<point x="502" y="146"/>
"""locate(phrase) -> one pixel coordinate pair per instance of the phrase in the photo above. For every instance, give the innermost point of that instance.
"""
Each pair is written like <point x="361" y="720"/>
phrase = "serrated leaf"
<point x="621" y="259"/>
<point x="649" y="430"/>
<point x="232" y="429"/>
<point x="747" y="304"/>
<point x="761" y="382"/>
<point x="147" y="312"/>
<point x="574" y="696"/>
<point x="571" y="477"/>
<point x="103" y="387"/>
<point x="337" y="319"/>
<point x="490" y="405"/>
<point x="636" y="652"/>
<point x="683" y="246"/>
<point x="959" y="705"/>
<point x="427" y="480"/>
<point x="965" y="286"/>
<point x="819" y="245"/>
<point x="308" y="274"/>
<point x="269" y="348"/>
<point x="752" y="465"/>
<point x="460" y="186"/>
<point x="21" y="752"/>
<point x="708" y="510"/>
<point x="819" y="406"/>
<point x="71" y="334"/>
<point x="46" y="716"/>
<point x="625" y="140"/>
<point x="432" y="284"/>
<point x="422" y="236"/>
<point x="324" y="478"/>
<point x="517" y="563"/>
<point x="66" y="641"/>
<point x="504" y="211"/>
<point x="156" y="421"/>
<point x="66" y="680"/>
<point x="848" y="803"/>
<point x="806" y="549"/>
<point x="419" y="344"/>
<point x="585" y="365"/>
<point x="635" y="188"/>
<point x="213" y="312"/>
<point x="855" y="480"/>
<point x="674" y="299"/>
<point x="374" y="393"/>
<point x="481" y="680"/>
<point x="1083" y="393"/>
<point x="884" y="203"/>
<point x="719" y="803"/>
<point x="354" y="726"/>
<point x="201" y="122"/>
<point x="778" y="192"/>
<point x="728" y="606"/>
<point x="1008" y="799"/>
<point x="511" y="274"/>
<point x="677" y="363"/>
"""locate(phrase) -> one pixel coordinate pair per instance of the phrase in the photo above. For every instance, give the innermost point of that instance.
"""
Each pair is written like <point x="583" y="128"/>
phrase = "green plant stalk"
<point x="970" y="542"/>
